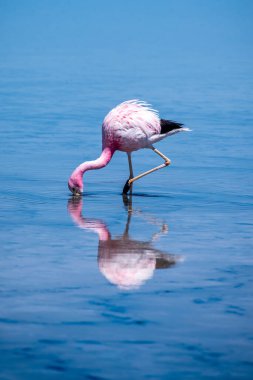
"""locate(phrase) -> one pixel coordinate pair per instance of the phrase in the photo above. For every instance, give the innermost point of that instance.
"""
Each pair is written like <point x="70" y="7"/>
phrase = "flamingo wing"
<point x="130" y="125"/>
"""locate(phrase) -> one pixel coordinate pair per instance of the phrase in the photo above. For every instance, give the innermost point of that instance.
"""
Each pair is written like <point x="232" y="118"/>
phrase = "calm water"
<point x="168" y="292"/>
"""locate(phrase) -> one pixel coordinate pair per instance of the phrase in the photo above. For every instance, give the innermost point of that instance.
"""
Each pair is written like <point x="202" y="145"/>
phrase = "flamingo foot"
<point x="126" y="188"/>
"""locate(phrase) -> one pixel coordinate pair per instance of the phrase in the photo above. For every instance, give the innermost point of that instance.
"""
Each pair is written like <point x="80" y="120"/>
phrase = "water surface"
<point x="154" y="287"/>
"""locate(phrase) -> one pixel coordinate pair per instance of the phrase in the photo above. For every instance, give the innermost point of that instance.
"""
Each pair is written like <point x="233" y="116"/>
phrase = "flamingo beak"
<point x="75" y="190"/>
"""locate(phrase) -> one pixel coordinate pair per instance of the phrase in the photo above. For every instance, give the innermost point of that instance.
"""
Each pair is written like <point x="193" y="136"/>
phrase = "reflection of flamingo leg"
<point x="163" y="227"/>
<point x="126" y="232"/>
<point x="127" y="202"/>
<point x="163" y="231"/>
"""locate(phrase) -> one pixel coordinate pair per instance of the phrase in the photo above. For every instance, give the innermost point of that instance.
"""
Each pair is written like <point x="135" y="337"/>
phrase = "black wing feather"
<point x="169" y="125"/>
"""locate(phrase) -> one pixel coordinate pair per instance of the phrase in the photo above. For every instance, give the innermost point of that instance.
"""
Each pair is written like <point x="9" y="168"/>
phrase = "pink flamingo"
<point x="130" y="126"/>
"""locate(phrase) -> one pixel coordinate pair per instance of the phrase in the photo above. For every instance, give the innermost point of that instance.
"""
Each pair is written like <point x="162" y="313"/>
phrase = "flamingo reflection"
<point x="124" y="262"/>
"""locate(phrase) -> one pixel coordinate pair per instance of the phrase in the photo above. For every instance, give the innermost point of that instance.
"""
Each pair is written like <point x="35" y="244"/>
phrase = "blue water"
<point x="168" y="295"/>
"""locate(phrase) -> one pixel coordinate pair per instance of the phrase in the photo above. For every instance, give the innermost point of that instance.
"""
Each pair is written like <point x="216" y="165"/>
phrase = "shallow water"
<point x="167" y="290"/>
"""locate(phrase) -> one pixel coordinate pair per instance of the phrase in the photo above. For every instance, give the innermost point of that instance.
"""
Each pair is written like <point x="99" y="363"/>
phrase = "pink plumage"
<point x="130" y="126"/>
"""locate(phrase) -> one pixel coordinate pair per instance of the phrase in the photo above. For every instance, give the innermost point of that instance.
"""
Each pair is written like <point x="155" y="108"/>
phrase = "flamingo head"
<point x="75" y="183"/>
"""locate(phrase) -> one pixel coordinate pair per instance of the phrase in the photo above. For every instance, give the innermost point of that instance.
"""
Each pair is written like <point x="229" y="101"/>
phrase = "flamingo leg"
<point x="130" y="165"/>
<point x="128" y="186"/>
<point x="166" y="163"/>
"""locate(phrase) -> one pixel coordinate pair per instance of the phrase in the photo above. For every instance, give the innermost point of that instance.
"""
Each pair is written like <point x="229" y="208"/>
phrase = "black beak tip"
<point x="75" y="191"/>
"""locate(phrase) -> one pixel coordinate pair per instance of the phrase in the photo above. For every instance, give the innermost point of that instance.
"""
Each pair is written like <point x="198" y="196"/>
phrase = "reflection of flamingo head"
<point x="124" y="262"/>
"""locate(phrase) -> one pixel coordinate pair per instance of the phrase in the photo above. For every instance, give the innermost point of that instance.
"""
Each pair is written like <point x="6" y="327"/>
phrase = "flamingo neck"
<point x="99" y="163"/>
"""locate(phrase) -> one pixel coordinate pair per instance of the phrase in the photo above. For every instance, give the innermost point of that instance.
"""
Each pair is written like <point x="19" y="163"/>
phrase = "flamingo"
<point x="130" y="126"/>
